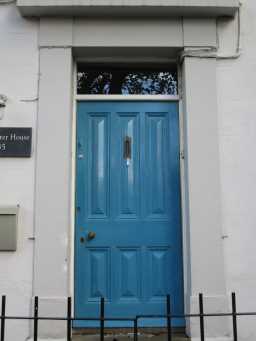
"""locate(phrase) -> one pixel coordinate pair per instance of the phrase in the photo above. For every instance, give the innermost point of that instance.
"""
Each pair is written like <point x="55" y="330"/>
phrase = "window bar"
<point x="102" y="316"/>
<point x="3" y="317"/>
<point x="69" y="319"/>
<point x="234" y="316"/>
<point x="36" y="318"/>
<point x="135" y="329"/>
<point x="201" y="311"/>
<point x="169" y="325"/>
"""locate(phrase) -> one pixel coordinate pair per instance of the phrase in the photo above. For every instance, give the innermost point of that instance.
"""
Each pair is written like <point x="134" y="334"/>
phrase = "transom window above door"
<point x="126" y="81"/>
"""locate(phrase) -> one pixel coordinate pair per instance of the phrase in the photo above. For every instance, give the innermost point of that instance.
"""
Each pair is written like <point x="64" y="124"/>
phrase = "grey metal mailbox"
<point x="8" y="228"/>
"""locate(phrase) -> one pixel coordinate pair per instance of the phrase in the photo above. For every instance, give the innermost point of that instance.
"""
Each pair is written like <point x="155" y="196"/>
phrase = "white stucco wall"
<point x="237" y="136"/>
<point x="237" y="132"/>
<point x="18" y="81"/>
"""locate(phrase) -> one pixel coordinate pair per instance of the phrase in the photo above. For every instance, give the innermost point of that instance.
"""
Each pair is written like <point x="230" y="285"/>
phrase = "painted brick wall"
<point x="237" y="131"/>
<point x="18" y="81"/>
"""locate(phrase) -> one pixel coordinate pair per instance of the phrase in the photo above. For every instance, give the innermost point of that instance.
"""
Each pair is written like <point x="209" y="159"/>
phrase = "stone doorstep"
<point x="174" y="338"/>
<point x="96" y="338"/>
<point x="121" y="334"/>
<point x="126" y="334"/>
<point x="141" y="337"/>
<point x="127" y="338"/>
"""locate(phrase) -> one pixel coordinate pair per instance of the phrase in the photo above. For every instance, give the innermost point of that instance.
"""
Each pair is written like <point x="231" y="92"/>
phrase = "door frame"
<point x="119" y="98"/>
<point x="199" y="139"/>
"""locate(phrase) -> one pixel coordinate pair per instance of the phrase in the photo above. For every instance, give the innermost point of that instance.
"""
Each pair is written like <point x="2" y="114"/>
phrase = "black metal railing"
<point x="135" y="320"/>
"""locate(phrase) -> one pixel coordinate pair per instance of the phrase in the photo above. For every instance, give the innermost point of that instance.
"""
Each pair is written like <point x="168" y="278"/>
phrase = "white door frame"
<point x="203" y="250"/>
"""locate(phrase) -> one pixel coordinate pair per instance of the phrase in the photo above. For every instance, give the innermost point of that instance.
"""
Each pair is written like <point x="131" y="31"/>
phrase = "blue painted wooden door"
<point x="131" y="203"/>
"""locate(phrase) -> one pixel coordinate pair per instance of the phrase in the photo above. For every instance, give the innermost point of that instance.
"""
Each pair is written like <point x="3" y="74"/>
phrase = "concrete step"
<point x="129" y="337"/>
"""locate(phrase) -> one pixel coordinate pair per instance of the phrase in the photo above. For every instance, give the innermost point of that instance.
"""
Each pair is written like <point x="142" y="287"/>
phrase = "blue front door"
<point x="128" y="244"/>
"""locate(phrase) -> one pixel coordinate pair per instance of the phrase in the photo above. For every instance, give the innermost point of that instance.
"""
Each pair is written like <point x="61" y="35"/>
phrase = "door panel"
<point x="98" y="158"/>
<point x="128" y="194"/>
<point x="126" y="182"/>
<point x="156" y="164"/>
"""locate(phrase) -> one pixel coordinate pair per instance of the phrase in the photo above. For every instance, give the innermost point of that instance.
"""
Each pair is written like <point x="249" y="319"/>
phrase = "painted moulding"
<point x="197" y="8"/>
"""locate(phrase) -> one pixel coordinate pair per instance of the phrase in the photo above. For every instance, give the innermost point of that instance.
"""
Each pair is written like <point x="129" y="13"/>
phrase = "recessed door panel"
<point x="127" y="171"/>
<point x="156" y="163"/>
<point x="98" y="166"/>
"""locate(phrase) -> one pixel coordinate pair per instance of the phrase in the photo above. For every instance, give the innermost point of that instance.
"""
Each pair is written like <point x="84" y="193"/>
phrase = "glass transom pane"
<point x="126" y="81"/>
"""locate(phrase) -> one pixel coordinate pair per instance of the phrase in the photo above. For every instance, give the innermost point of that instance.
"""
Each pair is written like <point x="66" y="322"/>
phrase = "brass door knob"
<point x="91" y="235"/>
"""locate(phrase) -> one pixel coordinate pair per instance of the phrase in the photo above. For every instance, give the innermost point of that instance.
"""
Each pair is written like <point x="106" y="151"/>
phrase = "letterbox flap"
<point x="9" y="210"/>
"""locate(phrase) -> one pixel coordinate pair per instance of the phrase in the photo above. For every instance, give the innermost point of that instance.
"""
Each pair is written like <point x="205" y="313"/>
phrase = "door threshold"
<point x="128" y="332"/>
<point x="126" y="336"/>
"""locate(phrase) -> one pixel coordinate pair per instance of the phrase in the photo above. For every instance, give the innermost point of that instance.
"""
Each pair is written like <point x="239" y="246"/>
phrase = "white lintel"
<point x="139" y="8"/>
